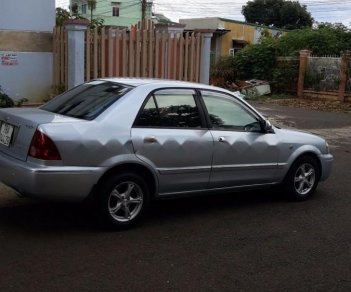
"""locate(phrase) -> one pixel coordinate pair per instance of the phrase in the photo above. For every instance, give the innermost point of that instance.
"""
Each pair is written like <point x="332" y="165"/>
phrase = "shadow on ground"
<point x="41" y="216"/>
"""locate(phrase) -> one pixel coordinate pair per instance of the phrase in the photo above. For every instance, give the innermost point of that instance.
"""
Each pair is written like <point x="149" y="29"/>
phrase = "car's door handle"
<point x="221" y="139"/>
<point x="150" y="139"/>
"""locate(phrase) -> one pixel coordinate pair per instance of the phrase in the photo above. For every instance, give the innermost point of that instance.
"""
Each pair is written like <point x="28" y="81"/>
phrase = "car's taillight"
<point x="42" y="147"/>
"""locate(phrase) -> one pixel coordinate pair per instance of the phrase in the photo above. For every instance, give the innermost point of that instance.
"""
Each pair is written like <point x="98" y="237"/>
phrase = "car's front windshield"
<point x="88" y="100"/>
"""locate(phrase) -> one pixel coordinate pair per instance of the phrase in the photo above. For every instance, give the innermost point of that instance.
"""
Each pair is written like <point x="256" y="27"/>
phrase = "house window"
<point x="115" y="11"/>
<point x="115" y="8"/>
<point x="84" y="8"/>
<point x="237" y="45"/>
<point x="233" y="51"/>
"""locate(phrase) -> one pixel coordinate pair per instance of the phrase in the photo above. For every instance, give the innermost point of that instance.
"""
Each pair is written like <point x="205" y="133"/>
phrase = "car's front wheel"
<point x="122" y="200"/>
<point x="302" y="179"/>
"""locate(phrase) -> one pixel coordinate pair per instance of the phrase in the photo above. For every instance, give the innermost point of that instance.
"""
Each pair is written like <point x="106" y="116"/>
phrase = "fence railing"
<point x="323" y="73"/>
<point x="112" y="52"/>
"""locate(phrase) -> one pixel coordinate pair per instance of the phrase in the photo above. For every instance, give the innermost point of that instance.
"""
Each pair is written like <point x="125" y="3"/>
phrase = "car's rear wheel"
<point x="302" y="179"/>
<point x="121" y="200"/>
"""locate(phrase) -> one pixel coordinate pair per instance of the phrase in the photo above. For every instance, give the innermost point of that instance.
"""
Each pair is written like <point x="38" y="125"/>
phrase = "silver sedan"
<point x="123" y="142"/>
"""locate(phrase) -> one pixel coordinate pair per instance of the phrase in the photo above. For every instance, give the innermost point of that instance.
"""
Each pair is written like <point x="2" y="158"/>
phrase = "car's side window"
<point x="227" y="113"/>
<point x="170" y="108"/>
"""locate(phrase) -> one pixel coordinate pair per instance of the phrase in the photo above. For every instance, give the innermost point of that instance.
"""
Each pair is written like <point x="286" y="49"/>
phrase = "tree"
<point x="256" y="61"/>
<point x="94" y="22"/>
<point x="74" y="10"/>
<point x="326" y="39"/>
<point x="61" y="16"/>
<point x="293" y="16"/>
<point x="92" y="7"/>
<point x="279" y="13"/>
<point x="337" y="26"/>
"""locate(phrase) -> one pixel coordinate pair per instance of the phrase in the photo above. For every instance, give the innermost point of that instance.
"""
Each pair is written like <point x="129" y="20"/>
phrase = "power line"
<point x="229" y="8"/>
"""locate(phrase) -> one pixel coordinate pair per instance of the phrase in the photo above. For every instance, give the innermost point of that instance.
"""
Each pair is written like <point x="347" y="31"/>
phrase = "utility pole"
<point x="143" y="10"/>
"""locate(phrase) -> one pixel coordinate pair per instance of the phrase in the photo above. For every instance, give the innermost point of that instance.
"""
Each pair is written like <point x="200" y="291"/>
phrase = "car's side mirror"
<point x="267" y="126"/>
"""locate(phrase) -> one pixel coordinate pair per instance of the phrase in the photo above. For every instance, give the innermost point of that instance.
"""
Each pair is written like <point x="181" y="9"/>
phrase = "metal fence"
<point x="323" y="73"/>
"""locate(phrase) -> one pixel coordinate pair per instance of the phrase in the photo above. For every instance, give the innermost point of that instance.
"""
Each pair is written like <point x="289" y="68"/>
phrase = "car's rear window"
<point x="88" y="100"/>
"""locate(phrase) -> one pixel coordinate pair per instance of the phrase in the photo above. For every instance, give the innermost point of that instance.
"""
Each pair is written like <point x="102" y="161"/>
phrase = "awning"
<point x="239" y="41"/>
<point x="221" y="31"/>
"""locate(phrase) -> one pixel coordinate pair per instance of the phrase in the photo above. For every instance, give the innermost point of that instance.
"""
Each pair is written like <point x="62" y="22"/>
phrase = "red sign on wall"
<point x="8" y="59"/>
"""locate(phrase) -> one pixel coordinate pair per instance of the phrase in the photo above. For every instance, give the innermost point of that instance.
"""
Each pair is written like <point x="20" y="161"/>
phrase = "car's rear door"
<point x="171" y="135"/>
<point x="243" y="153"/>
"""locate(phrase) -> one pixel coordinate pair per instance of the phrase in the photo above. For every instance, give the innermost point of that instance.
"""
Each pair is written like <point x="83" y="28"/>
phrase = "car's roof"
<point x="160" y="82"/>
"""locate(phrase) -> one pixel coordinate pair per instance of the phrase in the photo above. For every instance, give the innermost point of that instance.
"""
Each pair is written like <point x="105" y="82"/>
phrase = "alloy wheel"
<point x="305" y="178"/>
<point x="125" y="201"/>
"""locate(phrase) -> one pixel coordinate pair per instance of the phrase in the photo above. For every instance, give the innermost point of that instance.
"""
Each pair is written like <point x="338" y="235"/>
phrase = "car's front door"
<point x="243" y="153"/>
<point x="170" y="135"/>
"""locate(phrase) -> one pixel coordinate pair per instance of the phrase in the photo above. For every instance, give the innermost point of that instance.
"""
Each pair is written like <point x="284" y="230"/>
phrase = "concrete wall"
<point x="27" y="15"/>
<point x="30" y="77"/>
<point x="25" y="41"/>
<point x="26" y="48"/>
<point x="238" y="30"/>
<point x="202" y="23"/>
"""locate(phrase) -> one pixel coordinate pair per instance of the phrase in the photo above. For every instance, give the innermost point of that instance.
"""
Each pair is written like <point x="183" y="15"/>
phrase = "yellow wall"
<point x="237" y="31"/>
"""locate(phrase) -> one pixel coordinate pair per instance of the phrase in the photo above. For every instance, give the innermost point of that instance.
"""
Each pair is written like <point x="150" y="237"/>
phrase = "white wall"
<point x="26" y="72"/>
<point x="30" y="77"/>
<point x="27" y="15"/>
<point x="257" y="35"/>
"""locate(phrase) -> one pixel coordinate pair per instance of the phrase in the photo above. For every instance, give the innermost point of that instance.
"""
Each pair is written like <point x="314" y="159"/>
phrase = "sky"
<point x="321" y="10"/>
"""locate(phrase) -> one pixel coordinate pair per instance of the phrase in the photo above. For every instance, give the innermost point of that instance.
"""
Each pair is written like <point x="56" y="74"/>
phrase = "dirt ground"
<point x="314" y="104"/>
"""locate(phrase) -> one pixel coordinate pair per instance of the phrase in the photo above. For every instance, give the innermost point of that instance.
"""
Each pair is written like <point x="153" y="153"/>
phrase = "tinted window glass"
<point x="170" y="109"/>
<point x="88" y="100"/>
<point x="226" y="113"/>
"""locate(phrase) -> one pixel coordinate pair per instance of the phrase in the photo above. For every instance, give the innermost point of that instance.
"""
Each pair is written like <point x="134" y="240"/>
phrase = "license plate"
<point x="6" y="132"/>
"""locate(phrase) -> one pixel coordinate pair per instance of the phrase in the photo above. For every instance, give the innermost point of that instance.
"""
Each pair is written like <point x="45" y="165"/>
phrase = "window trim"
<point x="230" y="97"/>
<point x="115" y="11"/>
<point x="128" y="89"/>
<point x="116" y="6"/>
<point x="203" y="120"/>
<point x="85" y="10"/>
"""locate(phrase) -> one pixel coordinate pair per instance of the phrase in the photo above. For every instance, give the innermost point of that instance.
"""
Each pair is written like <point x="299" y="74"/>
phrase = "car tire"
<point x="121" y="200"/>
<point x="302" y="179"/>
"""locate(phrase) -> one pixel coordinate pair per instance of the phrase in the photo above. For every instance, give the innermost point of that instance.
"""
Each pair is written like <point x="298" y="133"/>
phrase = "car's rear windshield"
<point x="88" y="100"/>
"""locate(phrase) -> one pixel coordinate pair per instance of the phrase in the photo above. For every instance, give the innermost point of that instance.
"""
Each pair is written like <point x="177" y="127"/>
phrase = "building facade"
<point x="26" y="48"/>
<point x="230" y="36"/>
<point x="117" y="13"/>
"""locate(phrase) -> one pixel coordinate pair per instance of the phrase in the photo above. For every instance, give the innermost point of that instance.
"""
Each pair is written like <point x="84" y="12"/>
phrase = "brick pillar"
<point x="304" y="54"/>
<point x="76" y="50"/>
<point x="344" y="74"/>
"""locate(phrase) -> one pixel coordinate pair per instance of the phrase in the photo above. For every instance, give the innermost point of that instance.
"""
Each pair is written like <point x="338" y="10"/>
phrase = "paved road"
<point x="235" y="242"/>
<point x="335" y="127"/>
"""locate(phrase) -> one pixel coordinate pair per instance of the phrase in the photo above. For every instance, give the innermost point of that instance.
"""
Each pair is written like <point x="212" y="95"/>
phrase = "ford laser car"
<point x="124" y="142"/>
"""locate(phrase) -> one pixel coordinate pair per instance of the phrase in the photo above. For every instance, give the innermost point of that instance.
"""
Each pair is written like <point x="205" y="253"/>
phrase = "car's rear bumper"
<point x="326" y="163"/>
<point x="68" y="183"/>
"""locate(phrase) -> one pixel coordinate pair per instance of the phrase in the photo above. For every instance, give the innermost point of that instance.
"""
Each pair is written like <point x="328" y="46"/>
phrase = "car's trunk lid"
<point x="17" y="127"/>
